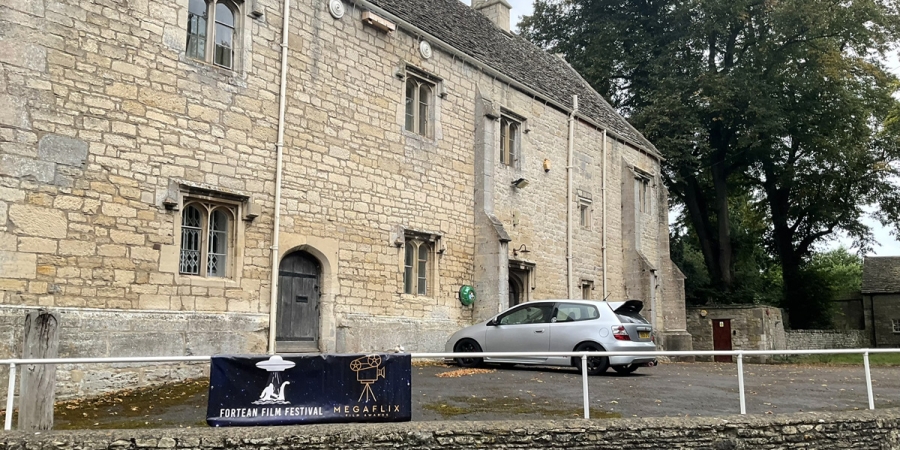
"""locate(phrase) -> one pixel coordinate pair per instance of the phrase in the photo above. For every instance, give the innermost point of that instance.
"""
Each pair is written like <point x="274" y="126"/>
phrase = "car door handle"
<point x="538" y="331"/>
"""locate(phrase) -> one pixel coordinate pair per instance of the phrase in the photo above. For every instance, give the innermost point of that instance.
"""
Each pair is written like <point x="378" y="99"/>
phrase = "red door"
<point x="722" y="338"/>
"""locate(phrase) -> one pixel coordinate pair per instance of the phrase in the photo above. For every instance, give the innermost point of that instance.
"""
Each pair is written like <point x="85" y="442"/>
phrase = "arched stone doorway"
<point x="297" y="314"/>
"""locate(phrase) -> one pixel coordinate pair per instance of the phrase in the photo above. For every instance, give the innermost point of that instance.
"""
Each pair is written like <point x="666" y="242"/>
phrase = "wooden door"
<point x="297" y="321"/>
<point x="722" y="338"/>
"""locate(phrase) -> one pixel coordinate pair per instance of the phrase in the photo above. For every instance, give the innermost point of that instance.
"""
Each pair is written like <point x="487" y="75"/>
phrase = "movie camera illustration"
<point x="368" y="370"/>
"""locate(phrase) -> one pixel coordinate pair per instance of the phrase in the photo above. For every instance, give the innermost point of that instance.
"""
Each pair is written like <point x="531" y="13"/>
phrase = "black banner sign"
<point x="298" y="389"/>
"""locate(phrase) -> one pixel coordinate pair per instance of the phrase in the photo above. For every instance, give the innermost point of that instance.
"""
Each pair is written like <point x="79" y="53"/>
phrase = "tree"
<point x="784" y="100"/>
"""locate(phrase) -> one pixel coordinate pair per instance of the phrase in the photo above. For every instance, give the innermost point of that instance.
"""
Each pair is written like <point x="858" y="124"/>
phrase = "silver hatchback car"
<point x="562" y="326"/>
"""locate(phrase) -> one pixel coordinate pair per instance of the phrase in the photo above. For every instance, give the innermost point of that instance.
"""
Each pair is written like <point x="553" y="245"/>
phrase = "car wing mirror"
<point x="492" y="322"/>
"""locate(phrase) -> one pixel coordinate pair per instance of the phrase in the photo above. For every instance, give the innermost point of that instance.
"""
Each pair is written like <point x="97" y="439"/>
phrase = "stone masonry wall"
<point x="875" y="430"/>
<point x="98" y="333"/>
<point x="753" y="328"/>
<point x="106" y="127"/>
<point x="827" y="339"/>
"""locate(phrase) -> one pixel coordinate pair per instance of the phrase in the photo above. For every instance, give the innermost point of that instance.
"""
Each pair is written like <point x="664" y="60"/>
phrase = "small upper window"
<point x="584" y="212"/>
<point x="419" y="105"/>
<point x="895" y="324"/>
<point x="416" y="263"/>
<point x="211" y="31"/>
<point x="587" y="288"/>
<point x="642" y="196"/>
<point x="509" y="140"/>
<point x="207" y="231"/>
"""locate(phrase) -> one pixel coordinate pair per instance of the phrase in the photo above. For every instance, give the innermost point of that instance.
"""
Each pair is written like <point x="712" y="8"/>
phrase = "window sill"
<point x="223" y="74"/>
<point x="419" y="138"/>
<point x="194" y="280"/>
<point x="417" y="298"/>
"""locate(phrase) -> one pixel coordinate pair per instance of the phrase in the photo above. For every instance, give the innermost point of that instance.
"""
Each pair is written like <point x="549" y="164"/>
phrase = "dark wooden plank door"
<point x="298" y="307"/>
<point x="722" y="338"/>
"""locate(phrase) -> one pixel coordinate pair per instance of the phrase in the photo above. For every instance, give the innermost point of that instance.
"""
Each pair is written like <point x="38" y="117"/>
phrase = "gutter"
<point x="279" y="148"/>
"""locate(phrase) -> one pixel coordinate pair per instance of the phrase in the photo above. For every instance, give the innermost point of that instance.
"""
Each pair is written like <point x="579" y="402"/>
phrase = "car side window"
<point x="570" y="312"/>
<point x="528" y="314"/>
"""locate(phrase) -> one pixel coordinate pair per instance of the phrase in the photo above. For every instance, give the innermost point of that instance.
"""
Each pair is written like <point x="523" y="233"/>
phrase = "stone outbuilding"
<point x="736" y="327"/>
<point x="881" y="300"/>
<point x="227" y="176"/>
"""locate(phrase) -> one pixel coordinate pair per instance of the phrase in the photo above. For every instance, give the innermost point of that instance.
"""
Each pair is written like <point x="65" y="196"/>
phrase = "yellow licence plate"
<point x="644" y="334"/>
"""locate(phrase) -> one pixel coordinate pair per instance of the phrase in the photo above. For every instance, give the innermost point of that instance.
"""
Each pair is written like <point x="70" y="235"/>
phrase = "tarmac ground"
<point x="446" y="392"/>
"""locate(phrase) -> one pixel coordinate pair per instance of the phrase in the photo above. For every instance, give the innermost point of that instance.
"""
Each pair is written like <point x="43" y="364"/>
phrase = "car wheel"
<point x="595" y="364"/>
<point x="626" y="369"/>
<point x="467" y="346"/>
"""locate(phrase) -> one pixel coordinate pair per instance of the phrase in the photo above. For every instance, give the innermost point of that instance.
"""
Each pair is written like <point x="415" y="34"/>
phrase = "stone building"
<point x="411" y="147"/>
<point x="881" y="300"/>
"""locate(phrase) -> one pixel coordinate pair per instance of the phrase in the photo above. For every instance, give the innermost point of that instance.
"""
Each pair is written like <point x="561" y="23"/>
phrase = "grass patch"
<point x="875" y="359"/>
<point x="459" y="406"/>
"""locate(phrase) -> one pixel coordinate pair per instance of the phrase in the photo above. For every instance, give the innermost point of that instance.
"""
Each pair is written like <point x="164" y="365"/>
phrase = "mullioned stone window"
<point x="510" y="138"/>
<point x="420" y="103"/>
<point x="212" y="30"/>
<point x="207" y="239"/>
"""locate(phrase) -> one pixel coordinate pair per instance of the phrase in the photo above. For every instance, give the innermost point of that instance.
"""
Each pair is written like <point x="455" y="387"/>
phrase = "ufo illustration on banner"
<point x="274" y="391"/>
<point x="275" y="364"/>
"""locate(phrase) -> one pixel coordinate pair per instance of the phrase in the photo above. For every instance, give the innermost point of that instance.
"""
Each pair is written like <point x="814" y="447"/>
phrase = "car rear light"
<point x="620" y="333"/>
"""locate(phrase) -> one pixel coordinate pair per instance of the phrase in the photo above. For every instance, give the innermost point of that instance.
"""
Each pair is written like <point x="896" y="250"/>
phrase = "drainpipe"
<point x="603" y="211"/>
<point x="569" y="191"/>
<point x="279" y="150"/>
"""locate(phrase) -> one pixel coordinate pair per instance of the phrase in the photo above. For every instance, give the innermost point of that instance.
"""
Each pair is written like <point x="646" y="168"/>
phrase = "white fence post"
<point x="740" y="367"/>
<point x="10" y="393"/>
<point x="584" y="387"/>
<point x="868" y="380"/>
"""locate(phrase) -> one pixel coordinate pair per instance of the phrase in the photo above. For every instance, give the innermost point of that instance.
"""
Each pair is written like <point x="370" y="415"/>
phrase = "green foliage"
<point x="841" y="270"/>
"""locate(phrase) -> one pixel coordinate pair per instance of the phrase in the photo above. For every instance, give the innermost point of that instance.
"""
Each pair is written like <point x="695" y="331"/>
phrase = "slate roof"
<point x="881" y="275"/>
<point x="470" y="32"/>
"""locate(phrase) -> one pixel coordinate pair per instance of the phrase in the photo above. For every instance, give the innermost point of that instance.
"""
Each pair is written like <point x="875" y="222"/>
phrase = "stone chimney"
<point x="495" y="10"/>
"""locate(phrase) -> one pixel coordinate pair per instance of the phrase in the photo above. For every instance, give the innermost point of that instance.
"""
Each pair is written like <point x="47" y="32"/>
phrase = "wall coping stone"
<point x="806" y="430"/>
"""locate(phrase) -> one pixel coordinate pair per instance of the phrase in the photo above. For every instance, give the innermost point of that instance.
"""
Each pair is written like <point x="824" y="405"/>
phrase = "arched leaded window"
<point x="211" y="31"/>
<point x="207" y="231"/>
<point x="417" y="260"/>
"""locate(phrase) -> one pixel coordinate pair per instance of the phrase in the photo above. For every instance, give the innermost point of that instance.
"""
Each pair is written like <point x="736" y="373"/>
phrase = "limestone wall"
<point x="827" y="339"/>
<point x="107" y="128"/>
<point x="98" y="333"/>
<point x="875" y="430"/>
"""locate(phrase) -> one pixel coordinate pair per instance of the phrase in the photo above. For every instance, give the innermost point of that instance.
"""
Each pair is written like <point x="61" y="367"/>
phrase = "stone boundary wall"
<point x="856" y="429"/>
<point x="827" y="339"/>
<point x="95" y="333"/>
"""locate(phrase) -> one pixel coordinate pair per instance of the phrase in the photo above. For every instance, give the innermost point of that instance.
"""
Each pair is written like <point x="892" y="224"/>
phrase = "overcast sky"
<point x="889" y="245"/>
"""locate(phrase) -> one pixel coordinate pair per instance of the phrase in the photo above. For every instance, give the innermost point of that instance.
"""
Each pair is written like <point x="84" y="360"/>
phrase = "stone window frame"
<point x="206" y="237"/>
<point x="412" y="124"/>
<point x="511" y="126"/>
<point x="185" y="192"/>
<point x="414" y="241"/>
<point x="643" y="190"/>
<point x="585" y="211"/>
<point x="587" y="287"/>
<point x="895" y="326"/>
<point x="236" y="8"/>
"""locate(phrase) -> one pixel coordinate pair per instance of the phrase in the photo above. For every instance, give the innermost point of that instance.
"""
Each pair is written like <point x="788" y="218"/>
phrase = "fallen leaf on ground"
<point x="463" y="372"/>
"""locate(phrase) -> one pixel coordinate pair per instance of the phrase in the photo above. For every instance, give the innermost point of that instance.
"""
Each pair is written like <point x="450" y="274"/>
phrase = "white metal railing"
<point x="12" y="363"/>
